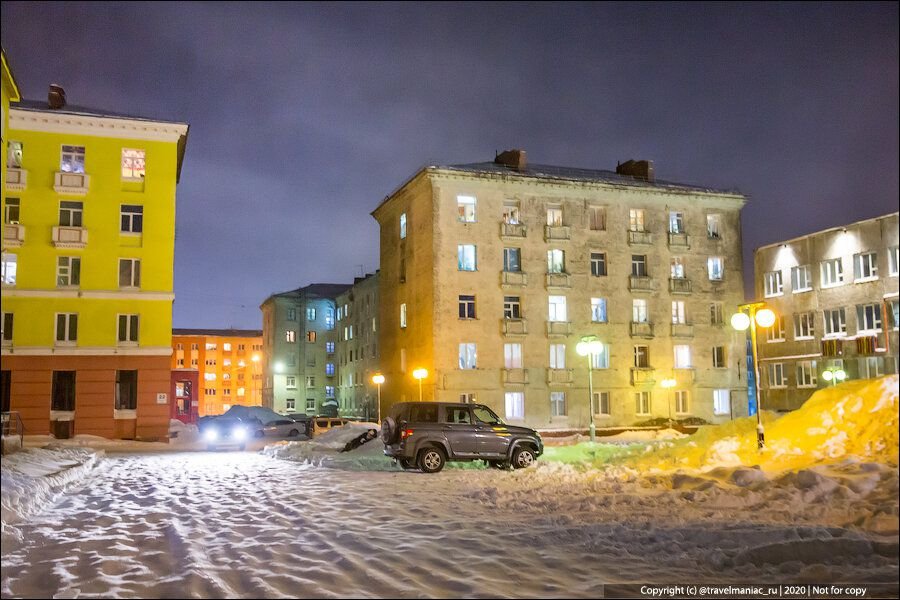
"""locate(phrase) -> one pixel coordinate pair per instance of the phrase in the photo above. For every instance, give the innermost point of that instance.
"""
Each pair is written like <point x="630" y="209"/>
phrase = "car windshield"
<point x="485" y="415"/>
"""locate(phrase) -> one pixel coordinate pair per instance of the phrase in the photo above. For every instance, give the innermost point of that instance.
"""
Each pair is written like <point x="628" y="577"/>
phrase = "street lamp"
<point x="834" y="375"/>
<point x="378" y="379"/>
<point x="756" y="314"/>
<point x="589" y="346"/>
<point x="420" y="374"/>
<point x="667" y="385"/>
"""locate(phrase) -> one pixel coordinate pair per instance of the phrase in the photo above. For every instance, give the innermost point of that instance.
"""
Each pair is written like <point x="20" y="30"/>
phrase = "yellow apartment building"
<point x="87" y="268"/>
<point x="229" y="362"/>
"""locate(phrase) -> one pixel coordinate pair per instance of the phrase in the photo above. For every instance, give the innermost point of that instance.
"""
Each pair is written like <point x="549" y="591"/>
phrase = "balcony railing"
<point x="641" y="329"/>
<point x="13" y="235"/>
<point x="513" y="326"/>
<point x="517" y="230"/>
<point x="643" y="376"/>
<point x="555" y="328"/>
<point x="513" y="278"/>
<point x="560" y="376"/>
<point x="557" y="232"/>
<point x="70" y="237"/>
<point x="559" y="280"/>
<point x="516" y="376"/>
<point x="684" y="375"/>
<point x="638" y="283"/>
<point x="679" y="285"/>
<point x="71" y="183"/>
<point x="682" y="330"/>
<point x="640" y="237"/>
<point x="16" y="179"/>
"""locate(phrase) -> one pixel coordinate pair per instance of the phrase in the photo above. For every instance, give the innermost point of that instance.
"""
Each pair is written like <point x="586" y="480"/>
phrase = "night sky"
<point x="304" y="117"/>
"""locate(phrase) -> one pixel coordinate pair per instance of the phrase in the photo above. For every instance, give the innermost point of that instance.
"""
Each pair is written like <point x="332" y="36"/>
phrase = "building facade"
<point x="88" y="252"/>
<point x="491" y="273"/>
<point x="357" y="349"/>
<point x="834" y="293"/>
<point x="229" y="366"/>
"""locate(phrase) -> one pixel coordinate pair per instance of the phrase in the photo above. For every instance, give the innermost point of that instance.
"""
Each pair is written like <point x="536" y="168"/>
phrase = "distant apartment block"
<point x="229" y="363"/>
<point x="491" y="273"/>
<point x="357" y="348"/>
<point x="835" y="294"/>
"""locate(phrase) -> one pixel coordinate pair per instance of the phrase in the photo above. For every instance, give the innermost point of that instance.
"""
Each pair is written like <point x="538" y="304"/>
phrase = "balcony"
<point x="640" y="237"/>
<point x="71" y="183"/>
<point x="13" y="235"/>
<point x="513" y="326"/>
<point x="560" y="376"/>
<point x="682" y="330"/>
<point x="557" y="232"/>
<point x="559" y="280"/>
<point x="16" y="179"/>
<point x="643" y="376"/>
<point x="514" y="376"/>
<point x="639" y="283"/>
<point x="513" y="278"/>
<point x="679" y="240"/>
<point x="641" y="329"/>
<point x="558" y="328"/>
<point x="679" y="285"/>
<point x="513" y="230"/>
<point x="684" y="375"/>
<point x="70" y="237"/>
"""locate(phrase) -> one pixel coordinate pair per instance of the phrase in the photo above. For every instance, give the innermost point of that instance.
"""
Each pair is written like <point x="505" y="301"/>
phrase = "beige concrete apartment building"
<point x="357" y="348"/>
<point x="835" y="295"/>
<point x="491" y="273"/>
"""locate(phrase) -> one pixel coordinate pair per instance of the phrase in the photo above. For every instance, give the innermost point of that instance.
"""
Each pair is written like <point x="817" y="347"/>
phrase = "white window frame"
<point x="643" y="403"/>
<point x="719" y="360"/>
<point x="682" y="402"/>
<point x="676" y="221"/>
<point x="73" y="211"/>
<point x="715" y="267"/>
<point x="777" y="376"/>
<point x="865" y="267"/>
<point x="832" y="317"/>
<point x="722" y="402"/>
<point x="512" y="356"/>
<point x="804" y="325"/>
<point x="290" y="336"/>
<point x="403" y="225"/>
<point x="67" y="267"/>
<point x="598" y="264"/>
<point x="131" y="222"/>
<point x="69" y="159"/>
<point x="716" y="313"/>
<point x="554" y="216"/>
<point x="831" y="272"/>
<point x="600" y="360"/>
<point x="467" y="257"/>
<point x="514" y="403"/>
<point x="402" y="315"/>
<point x="774" y="284"/>
<point x="69" y="339"/>
<point x="556" y="260"/>
<point x="775" y="333"/>
<point x="131" y="331"/>
<point x="682" y="356"/>
<point x="679" y="312"/>
<point x="557" y="402"/>
<point x="640" y="310"/>
<point x="869" y="318"/>
<point x="132" y="273"/>
<point x="557" y="356"/>
<point x="806" y="374"/>
<point x="714" y="226"/>
<point x="676" y="267"/>
<point x="468" y="355"/>
<point x="599" y="312"/>
<point x="465" y="207"/>
<point x="601" y="404"/>
<point x="801" y="279"/>
<point x="597" y="218"/>
<point x="511" y="213"/>
<point x="557" y="312"/>
<point x="893" y="260"/>
<point x="134" y="164"/>
<point x="290" y="382"/>
<point x="636" y="219"/>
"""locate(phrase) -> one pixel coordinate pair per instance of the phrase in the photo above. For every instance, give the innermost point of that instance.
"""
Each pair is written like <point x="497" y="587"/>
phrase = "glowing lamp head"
<point x="827" y="375"/>
<point x="279" y="367"/>
<point x="765" y="318"/>
<point x="589" y="346"/>
<point x="255" y="358"/>
<point x="420" y="373"/>
<point x="378" y="379"/>
<point x="667" y="383"/>
<point x="840" y="375"/>
<point x="740" y="321"/>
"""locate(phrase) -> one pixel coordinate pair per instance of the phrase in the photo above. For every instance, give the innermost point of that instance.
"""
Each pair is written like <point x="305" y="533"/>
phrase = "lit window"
<point x="403" y="315"/>
<point x="9" y="264"/>
<point x="598" y="218"/>
<point x="72" y="159"/>
<point x="130" y="272"/>
<point x="132" y="218"/>
<point x="14" y="155"/>
<point x="466" y="257"/>
<point x="468" y="356"/>
<point x="682" y="356"/>
<point x="558" y="404"/>
<point x="554" y="216"/>
<point x="776" y="375"/>
<point x="329" y="347"/>
<point x="718" y="356"/>
<point x="677" y="268"/>
<point x="128" y="329"/>
<point x="682" y="402"/>
<point x="721" y="402"/>
<point x="133" y="163"/>
<point x="512" y="356"/>
<point x="329" y="369"/>
<point x="600" y="360"/>
<point x="598" y="310"/>
<point x="801" y="279"/>
<point x="556" y="261"/>
<point x="511" y="213"/>
<point x="636" y="219"/>
<point x="714" y="227"/>
<point x="310" y="314"/>
<point x="515" y="405"/>
<point x="716" y="267"/>
<point x="676" y="222"/>
<point x="227" y="348"/>
<point x="642" y="403"/>
<point x="290" y="336"/>
<point x="512" y="307"/>
<point x="311" y="337"/>
<point x="402" y="225"/>
<point x="893" y="258"/>
<point x="290" y="382"/>
<point x="642" y="357"/>
<point x="557" y="356"/>
<point x="639" y="310"/>
<point x="68" y="271"/>
<point x="832" y="271"/>
<point x="557" y="308"/>
<point x="679" y="313"/>
<point x="466" y="208"/>
<point x="774" y="283"/>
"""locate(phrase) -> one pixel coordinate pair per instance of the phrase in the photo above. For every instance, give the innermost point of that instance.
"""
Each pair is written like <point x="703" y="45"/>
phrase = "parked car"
<point x="322" y="424"/>
<point x="304" y="421"/>
<point x="225" y="431"/>
<point x="426" y="435"/>
<point x="283" y="428"/>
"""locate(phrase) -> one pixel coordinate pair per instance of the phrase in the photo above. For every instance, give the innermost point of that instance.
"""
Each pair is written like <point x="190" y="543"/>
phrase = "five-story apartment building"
<point x="357" y="348"/>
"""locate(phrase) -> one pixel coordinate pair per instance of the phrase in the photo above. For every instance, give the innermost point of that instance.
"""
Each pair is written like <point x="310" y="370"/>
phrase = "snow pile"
<point x="34" y="477"/>
<point x="644" y="435"/>
<point x="325" y="450"/>
<point x="181" y="434"/>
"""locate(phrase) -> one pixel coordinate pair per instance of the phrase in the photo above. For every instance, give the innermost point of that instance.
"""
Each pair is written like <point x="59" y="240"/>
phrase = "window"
<point x="311" y="381"/>
<point x="310" y="405"/>
<point x="515" y="405"/>
<point x="68" y="271"/>
<point x="801" y="279"/>
<point x="835" y="322"/>
<point x="895" y="313"/>
<point x="466" y="307"/>
<point x="290" y="404"/>
<point x="512" y="356"/>
<point x="775" y="333"/>
<point x="636" y="219"/>
<point x="556" y="261"/>
<point x="776" y="375"/>
<point x="598" y="264"/>
<point x="871" y="367"/>
<point x="329" y="369"/>
<point x="310" y="314"/>
<point x="639" y="311"/>
<point x="468" y="356"/>
<point x="682" y="402"/>
<point x="291" y="314"/>
<point x="133" y="163"/>
<point x="329" y="347"/>
<point x="714" y="227"/>
<point x="329" y="391"/>
<point x="679" y="314"/>
<point x="210" y="362"/>
<point x="642" y="403"/>
<point x="329" y="319"/>
<point x="130" y="272"/>
<point x="865" y="266"/>
<point x="402" y="226"/>
<point x="512" y="262"/>
<point x="893" y="258"/>
<point x="718" y="357"/>
<point x="403" y="315"/>
<point x="557" y="309"/>
<point x="868" y="317"/>
<point x="290" y="336"/>
<point x="7" y="327"/>
<point x="557" y="356"/>
<point x="72" y="159"/>
<point x="832" y="271"/>
<point x="804" y="326"/>
<point x="290" y="382"/>
<point x="466" y="207"/>
<point x="132" y="218"/>
<point x="806" y="374"/>
<point x="598" y="310"/>
<point x="466" y="257"/>
<point x="512" y="307"/>
<point x="126" y="390"/>
<point x="511" y="213"/>
<point x="558" y="404"/>
<point x="311" y="337"/>
<point x="639" y="265"/>
<point x="66" y="328"/>
<point x="677" y="268"/>
<point x="597" y="217"/>
<point x="554" y="216"/>
<point x="600" y="404"/>
<point x="600" y="360"/>
<point x="715" y="265"/>
<point x="774" y="283"/>
<point x="70" y="214"/>
<point x="195" y="347"/>
<point x="721" y="402"/>
<point x="14" y="155"/>
<point x="11" y="211"/>
<point x="128" y="329"/>
<point x="676" y="222"/>
<point x="682" y="356"/>
<point x="642" y="357"/>
<point x="63" y="391"/>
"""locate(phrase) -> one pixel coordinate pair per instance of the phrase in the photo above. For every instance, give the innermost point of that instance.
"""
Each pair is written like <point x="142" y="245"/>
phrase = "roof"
<point x="317" y="290"/>
<point x="70" y="109"/>
<point x="219" y="332"/>
<point x="14" y="94"/>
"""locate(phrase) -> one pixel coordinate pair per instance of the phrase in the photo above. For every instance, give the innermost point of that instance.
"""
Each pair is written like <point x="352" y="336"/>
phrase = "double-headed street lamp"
<point x="750" y="315"/>
<point x="420" y="374"/>
<point x="834" y="375"/>
<point x="589" y="346"/>
<point x="378" y="379"/>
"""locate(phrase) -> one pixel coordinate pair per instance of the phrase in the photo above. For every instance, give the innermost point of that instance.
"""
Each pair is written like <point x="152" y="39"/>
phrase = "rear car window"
<point x="423" y="413"/>
<point x="321" y="423"/>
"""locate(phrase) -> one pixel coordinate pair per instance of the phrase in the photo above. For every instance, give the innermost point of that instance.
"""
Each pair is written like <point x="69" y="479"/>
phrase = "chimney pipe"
<point x="514" y="159"/>
<point x="56" y="97"/>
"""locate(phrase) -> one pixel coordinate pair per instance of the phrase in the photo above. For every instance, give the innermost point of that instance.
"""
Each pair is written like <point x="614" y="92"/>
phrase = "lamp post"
<point x="378" y="379"/>
<point x="667" y="385"/>
<point x="834" y="375"/>
<point x="420" y="374"/>
<point x="756" y="314"/>
<point x="589" y="346"/>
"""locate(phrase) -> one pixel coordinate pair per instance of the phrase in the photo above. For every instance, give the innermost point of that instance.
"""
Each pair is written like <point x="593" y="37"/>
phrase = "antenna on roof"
<point x="361" y="270"/>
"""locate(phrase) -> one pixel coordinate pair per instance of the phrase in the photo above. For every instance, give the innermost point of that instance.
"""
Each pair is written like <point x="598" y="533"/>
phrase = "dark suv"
<point x="426" y="435"/>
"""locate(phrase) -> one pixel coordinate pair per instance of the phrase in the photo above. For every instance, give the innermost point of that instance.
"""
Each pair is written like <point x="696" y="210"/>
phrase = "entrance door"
<point x="5" y="381"/>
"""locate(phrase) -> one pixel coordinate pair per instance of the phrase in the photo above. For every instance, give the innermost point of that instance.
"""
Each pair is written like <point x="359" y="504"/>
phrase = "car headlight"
<point x="239" y="433"/>
<point x="210" y="434"/>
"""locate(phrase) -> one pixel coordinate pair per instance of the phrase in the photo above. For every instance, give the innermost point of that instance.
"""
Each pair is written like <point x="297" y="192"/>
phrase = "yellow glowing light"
<point x="591" y="347"/>
<point x="378" y="379"/>
<point x="667" y="383"/>
<point x="255" y="358"/>
<point x="765" y="318"/>
<point x="740" y="321"/>
<point x="840" y="375"/>
<point x="420" y="373"/>
<point x="827" y="375"/>
<point x="279" y="367"/>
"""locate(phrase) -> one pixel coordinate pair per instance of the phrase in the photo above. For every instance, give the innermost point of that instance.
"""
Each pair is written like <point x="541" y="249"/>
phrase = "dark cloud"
<point x="303" y="116"/>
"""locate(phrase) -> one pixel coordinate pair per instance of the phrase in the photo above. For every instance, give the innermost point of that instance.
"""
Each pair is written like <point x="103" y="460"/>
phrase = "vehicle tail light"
<point x="406" y="433"/>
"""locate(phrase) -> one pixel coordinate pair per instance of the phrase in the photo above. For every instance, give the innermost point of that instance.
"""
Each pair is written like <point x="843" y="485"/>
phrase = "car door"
<point x="457" y="426"/>
<point x="491" y="433"/>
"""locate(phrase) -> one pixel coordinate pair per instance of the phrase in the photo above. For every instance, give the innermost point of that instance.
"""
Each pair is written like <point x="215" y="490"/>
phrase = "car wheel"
<point x="389" y="431"/>
<point x="523" y="457"/>
<point x="407" y="464"/>
<point x="431" y="460"/>
<point x="293" y="433"/>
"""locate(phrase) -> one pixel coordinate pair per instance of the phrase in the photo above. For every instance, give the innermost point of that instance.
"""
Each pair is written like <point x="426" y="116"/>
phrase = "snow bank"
<point x="183" y="434"/>
<point x="325" y="450"/>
